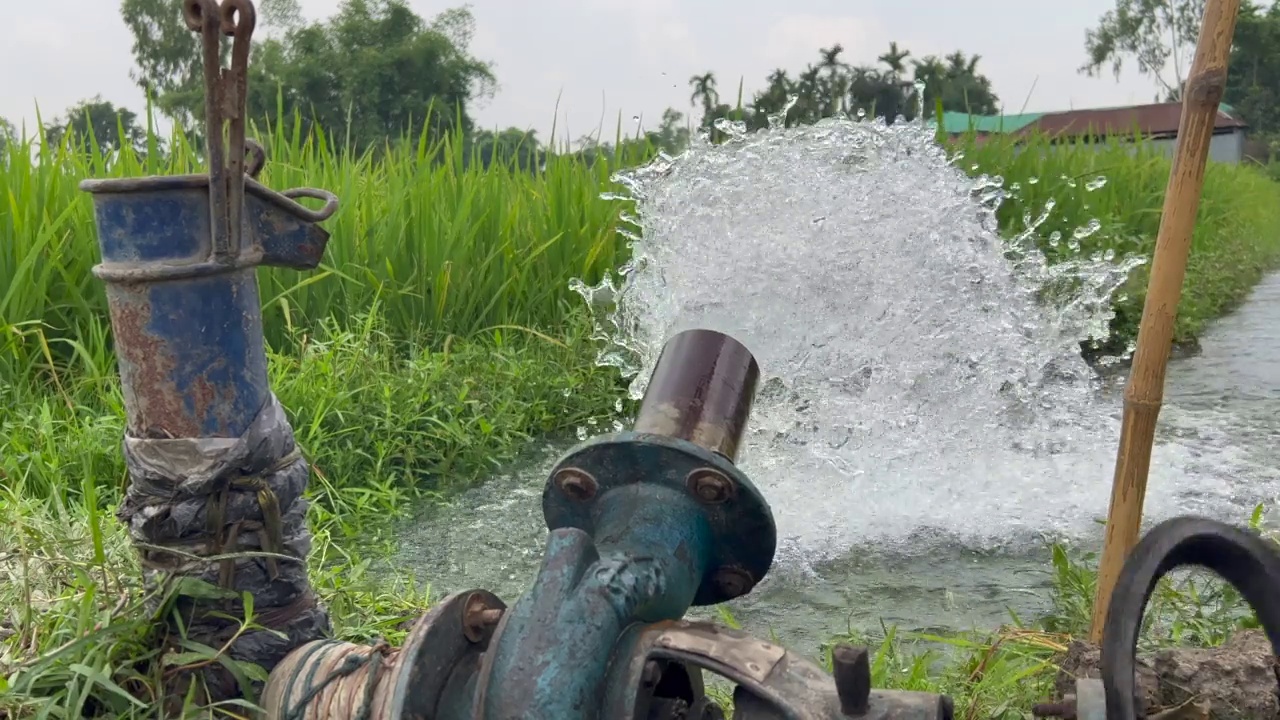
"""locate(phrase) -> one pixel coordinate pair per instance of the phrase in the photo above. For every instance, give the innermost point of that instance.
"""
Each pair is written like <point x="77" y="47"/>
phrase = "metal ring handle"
<point x="324" y="213"/>
<point x="195" y="11"/>
<point x="238" y="18"/>
<point x="1247" y="561"/>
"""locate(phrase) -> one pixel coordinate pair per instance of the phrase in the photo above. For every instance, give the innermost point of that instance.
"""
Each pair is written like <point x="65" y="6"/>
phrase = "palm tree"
<point x="836" y="81"/>
<point x="809" y="107"/>
<point x="704" y="90"/>
<point x="773" y="99"/>
<point x="895" y="58"/>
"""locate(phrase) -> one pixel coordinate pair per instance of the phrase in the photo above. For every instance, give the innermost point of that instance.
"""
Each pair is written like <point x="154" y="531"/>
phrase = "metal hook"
<point x="225" y="96"/>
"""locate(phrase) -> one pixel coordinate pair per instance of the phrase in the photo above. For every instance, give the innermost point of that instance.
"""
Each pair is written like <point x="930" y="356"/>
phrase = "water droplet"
<point x="735" y="129"/>
<point x="1088" y="229"/>
<point x="567" y="392"/>
<point x="778" y="119"/>
<point x="1096" y="184"/>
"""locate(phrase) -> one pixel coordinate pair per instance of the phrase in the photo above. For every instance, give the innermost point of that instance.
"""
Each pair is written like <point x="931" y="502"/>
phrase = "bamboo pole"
<point x="1144" y="392"/>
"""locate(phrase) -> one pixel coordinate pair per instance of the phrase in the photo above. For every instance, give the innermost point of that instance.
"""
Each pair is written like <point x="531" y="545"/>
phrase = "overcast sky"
<point x="634" y="57"/>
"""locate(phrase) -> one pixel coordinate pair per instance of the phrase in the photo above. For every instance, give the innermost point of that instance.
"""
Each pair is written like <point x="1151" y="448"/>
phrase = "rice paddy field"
<point x="437" y="340"/>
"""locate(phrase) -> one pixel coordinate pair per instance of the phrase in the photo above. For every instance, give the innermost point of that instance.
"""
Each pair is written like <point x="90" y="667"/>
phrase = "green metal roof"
<point x="957" y="122"/>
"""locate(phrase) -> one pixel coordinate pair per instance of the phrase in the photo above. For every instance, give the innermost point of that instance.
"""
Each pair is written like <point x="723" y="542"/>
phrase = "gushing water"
<point x="924" y="417"/>
<point x="920" y="374"/>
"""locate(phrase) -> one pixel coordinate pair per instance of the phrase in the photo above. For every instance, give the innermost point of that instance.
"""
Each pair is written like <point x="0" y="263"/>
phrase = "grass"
<point x="438" y="338"/>
<point x="1113" y="196"/>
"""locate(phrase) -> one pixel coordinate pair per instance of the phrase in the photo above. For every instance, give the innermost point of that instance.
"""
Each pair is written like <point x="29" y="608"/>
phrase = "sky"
<point x="582" y="64"/>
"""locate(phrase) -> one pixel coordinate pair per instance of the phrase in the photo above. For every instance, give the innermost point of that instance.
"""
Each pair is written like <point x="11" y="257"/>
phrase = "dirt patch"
<point x="1235" y="681"/>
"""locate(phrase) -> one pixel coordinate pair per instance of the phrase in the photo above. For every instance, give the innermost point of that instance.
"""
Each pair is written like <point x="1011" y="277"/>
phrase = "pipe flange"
<point x="446" y="643"/>
<point x="744" y="536"/>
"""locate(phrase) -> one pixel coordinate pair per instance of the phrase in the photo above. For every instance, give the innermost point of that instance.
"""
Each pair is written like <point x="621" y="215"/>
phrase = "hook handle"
<point x="225" y="92"/>
<point x="306" y="213"/>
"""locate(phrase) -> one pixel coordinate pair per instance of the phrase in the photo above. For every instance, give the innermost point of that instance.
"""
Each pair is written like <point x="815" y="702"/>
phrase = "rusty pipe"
<point x="701" y="391"/>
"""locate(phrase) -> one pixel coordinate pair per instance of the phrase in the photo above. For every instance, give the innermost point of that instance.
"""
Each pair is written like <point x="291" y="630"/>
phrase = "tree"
<point x="957" y="83"/>
<point x="1253" y="76"/>
<point x="1160" y="36"/>
<point x="167" y="58"/>
<point x="513" y="147"/>
<point x="1153" y="34"/>
<point x="704" y="91"/>
<point x="373" y="71"/>
<point x="671" y="137"/>
<point x="111" y="126"/>
<point x="369" y="73"/>
<point x="7" y="135"/>
<point x="831" y="87"/>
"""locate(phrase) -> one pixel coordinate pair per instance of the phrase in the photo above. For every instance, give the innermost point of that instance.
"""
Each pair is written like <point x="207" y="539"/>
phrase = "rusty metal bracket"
<point x="772" y="682"/>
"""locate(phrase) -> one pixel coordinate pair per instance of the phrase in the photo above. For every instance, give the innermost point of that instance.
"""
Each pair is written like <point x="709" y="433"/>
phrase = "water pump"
<point x="643" y="525"/>
<point x="648" y="523"/>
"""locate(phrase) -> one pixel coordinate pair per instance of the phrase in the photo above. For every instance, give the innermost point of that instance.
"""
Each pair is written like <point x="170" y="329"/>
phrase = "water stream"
<point x="925" y="424"/>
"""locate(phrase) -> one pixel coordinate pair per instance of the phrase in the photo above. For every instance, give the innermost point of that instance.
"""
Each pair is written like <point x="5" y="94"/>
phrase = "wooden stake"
<point x="1144" y="393"/>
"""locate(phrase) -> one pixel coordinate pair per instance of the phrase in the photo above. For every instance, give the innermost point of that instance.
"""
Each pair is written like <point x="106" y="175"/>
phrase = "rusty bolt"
<point x="733" y="581"/>
<point x="576" y="484"/>
<point x="479" y="618"/>
<point x="710" y="486"/>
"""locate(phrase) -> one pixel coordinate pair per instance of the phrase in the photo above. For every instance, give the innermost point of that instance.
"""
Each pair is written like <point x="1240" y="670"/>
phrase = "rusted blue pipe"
<point x="187" y="323"/>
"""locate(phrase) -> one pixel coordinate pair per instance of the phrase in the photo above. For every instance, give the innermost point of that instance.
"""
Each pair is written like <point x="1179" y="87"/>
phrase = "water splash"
<point x="920" y="373"/>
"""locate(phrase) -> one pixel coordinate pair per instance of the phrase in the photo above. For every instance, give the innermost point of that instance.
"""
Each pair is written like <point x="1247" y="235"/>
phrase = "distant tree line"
<point x="374" y="71"/>
<point x="896" y="88"/>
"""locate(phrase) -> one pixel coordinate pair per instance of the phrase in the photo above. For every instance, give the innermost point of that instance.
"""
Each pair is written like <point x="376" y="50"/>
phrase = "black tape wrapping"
<point x="190" y="500"/>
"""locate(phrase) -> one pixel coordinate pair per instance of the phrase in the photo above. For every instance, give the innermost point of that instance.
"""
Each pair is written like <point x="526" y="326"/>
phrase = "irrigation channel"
<point x="924" y="425"/>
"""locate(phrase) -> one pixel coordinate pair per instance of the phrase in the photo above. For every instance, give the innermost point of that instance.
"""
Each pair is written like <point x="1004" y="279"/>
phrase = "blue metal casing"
<point x="188" y="326"/>
<point x="638" y="547"/>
